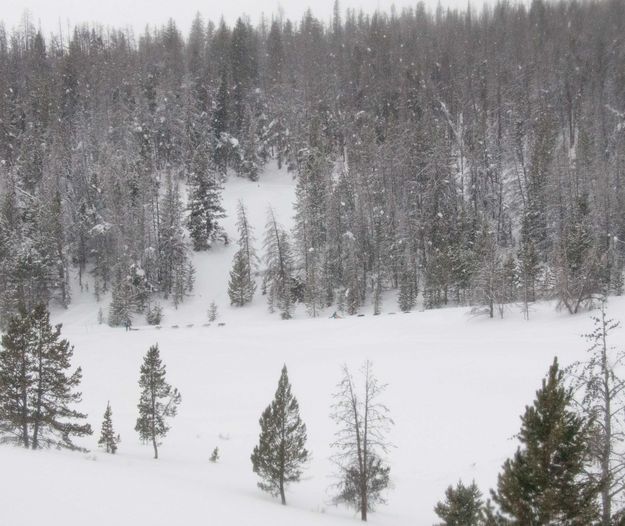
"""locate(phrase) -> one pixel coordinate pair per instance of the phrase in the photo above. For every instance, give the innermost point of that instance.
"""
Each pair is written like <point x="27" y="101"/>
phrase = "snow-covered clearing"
<point x="456" y="388"/>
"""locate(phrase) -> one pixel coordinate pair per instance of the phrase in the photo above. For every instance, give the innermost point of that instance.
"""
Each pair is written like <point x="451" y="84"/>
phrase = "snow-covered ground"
<point x="456" y="387"/>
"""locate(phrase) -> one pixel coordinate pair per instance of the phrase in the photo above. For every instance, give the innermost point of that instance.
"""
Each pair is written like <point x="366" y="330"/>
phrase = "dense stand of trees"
<point x="463" y="157"/>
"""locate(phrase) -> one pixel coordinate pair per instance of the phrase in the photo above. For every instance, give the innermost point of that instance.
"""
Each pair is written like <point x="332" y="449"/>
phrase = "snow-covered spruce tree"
<point x="463" y="506"/>
<point x="158" y="401"/>
<point x="361" y="441"/>
<point x="122" y="303"/>
<point x="242" y="285"/>
<point x="28" y="262"/>
<point x="277" y="281"/>
<point x="108" y="439"/>
<point x="280" y="454"/>
<point x="36" y="391"/>
<point x="545" y="482"/>
<point x="310" y="224"/>
<point x="204" y="205"/>
<point x="174" y="266"/>
<point x="213" y="312"/>
<point x="250" y="162"/>
<point x="408" y="281"/>
<point x="154" y="314"/>
<point x="604" y="401"/>
<point x="577" y="260"/>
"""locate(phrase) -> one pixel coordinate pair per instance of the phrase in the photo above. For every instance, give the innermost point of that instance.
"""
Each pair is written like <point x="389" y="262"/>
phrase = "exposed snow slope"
<point x="457" y="386"/>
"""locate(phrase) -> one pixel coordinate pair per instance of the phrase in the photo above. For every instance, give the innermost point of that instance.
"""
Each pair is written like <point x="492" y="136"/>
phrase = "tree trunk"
<point x="606" y="476"/>
<point x="24" y="399"/>
<point x="37" y="408"/>
<point x="153" y="423"/>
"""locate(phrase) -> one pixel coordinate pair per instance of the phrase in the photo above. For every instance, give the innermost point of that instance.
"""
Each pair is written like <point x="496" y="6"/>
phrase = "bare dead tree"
<point x="604" y="401"/>
<point x="361" y="441"/>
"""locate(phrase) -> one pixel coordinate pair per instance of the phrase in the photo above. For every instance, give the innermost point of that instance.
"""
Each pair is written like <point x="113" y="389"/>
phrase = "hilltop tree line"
<point x="466" y="157"/>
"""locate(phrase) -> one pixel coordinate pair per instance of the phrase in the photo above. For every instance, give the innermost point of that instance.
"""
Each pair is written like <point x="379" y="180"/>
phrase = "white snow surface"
<point x="456" y="387"/>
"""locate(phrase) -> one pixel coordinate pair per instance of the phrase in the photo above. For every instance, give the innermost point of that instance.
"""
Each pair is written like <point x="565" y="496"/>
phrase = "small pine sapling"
<point x="463" y="505"/>
<point x="154" y="314"/>
<point x="108" y="439"/>
<point x="214" y="455"/>
<point x="212" y="312"/>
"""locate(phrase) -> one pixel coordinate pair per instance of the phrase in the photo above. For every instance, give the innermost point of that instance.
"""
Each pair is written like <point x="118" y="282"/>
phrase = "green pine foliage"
<point x="463" y="506"/>
<point x="363" y="483"/>
<point x="544" y="483"/>
<point x="240" y="287"/>
<point x="108" y="439"/>
<point x="158" y="401"/>
<point x="37" y="389"/>
<point x="281" y="453"/>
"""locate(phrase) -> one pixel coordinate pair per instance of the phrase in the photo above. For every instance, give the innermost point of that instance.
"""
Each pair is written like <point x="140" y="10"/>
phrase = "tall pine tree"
<point x="158" y="400"/>
<point x="280" y="454"/>
<point x="544" y="483"/>
<point x="204" y="205"/>
<point x="242" y="285"/>
<point x="37" y="391"/>
<point x="277" y="281"/>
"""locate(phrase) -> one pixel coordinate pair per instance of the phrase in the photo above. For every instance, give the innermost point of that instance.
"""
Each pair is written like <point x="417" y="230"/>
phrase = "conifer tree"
<point x="277" y="281"/>
<point x="242" y="286"/>
<point x="204" y="205"/>
<point x="280" y="454"/>
<point x="577" y="260"/>
<point x="310" y="222"/>
<point x="108" y="439"/>
<point x="173" y="261"/>
<point x="213" y="312"/>
<point x="158" y="401"/>
<point x="122" y="304"/>
<point x="463" y="506"/>
<point x="408" y="289"/>
<point x="36" y="391"/>
<point x="16" y="365"/>
<point x="544" y="483"/>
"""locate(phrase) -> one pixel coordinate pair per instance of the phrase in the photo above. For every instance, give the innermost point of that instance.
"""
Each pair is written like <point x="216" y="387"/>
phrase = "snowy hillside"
<point x="456" y="388"/>
<point x="276" y="189"/>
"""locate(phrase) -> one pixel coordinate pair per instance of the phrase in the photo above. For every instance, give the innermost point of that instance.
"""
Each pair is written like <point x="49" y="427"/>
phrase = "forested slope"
<point x="459" y="157"/>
